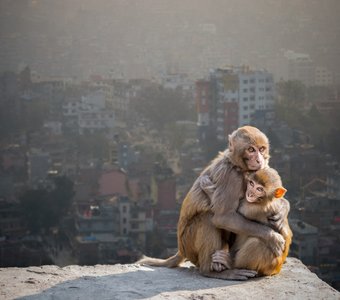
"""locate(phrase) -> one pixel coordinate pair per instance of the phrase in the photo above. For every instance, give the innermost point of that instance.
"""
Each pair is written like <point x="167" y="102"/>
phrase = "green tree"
<point x="291" y="93"/>
<point x="43" y="209"/>
<point x="162" y="106"/>
<point x="92" y="145"/>
<point x="35" y="209"/>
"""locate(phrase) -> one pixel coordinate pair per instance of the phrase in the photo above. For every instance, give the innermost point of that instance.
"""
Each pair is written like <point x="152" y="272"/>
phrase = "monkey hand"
<point x="206" y="185"/>
<point x="276" y="243"/>
<point x="221" y="261"/>
<point x="276" y="220"/>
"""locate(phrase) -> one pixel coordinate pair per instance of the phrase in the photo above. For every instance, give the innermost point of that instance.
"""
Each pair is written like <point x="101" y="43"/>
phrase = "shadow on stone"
<point x="144" y="283"/>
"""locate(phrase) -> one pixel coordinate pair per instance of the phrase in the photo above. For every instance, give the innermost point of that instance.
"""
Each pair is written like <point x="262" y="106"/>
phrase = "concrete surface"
<point x="140" y="282"/>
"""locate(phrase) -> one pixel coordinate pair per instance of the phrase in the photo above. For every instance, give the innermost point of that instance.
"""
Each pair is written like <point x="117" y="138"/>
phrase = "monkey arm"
<point x="206" y="185"/>
<point x="235" y="222"/>
<point x="277" y="219"/>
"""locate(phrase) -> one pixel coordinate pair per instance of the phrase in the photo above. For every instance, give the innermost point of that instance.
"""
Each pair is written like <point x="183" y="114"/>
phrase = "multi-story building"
<point x="300" y="67"/>
<point x="89" y="114"/>
<point x="229" y="99"/>
<point x="323" y="77"/>
<point x="305" y="242"/>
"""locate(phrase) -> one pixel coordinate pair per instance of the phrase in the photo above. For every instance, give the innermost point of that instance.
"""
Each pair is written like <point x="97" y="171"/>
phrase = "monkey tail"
<point x="170" y="262"/>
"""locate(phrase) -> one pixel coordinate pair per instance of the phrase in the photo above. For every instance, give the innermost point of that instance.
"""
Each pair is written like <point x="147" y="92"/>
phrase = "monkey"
<point x="205" y="224"/>
<point x="263" y="194"/>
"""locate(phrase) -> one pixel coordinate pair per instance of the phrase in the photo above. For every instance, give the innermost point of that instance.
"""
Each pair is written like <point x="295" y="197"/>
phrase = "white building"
<point x="290" y="65"/>
<point x="90" y="113"/>
<point x="236" y="94"/>
<point x="323" y="77"/>
<point x="256" y="92"/>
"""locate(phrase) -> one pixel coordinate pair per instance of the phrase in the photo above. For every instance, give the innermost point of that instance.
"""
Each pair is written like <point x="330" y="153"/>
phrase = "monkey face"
<point x="254" y="158"/>
<point x="248" y="148"/>
<point x="255" y="192"/>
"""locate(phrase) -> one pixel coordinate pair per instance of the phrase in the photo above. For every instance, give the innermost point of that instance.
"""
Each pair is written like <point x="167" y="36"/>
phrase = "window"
<point x="245" y="107"/>
<point x="124" y="220"/>
<point x="245" y="90"/>
<point x="245" y="116"/>
<point x="245" y="99"/>
<point x="245" y="81"/>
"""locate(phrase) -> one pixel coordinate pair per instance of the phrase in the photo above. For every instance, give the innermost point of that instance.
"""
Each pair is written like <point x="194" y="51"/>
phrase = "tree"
<point x="162" y="106"/>
<point x="43" y="209"/>
<point x="92" y="145"/>
<point x="291" y="92"/>
<point x="35" y="209"/>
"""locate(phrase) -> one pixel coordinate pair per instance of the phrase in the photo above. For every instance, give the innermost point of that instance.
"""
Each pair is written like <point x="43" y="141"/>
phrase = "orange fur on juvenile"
<point x="252" y="253"/>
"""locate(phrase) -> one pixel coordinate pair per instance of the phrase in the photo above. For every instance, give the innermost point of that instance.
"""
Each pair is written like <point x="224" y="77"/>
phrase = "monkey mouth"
<point x="251" y="197"/>
<point x="254" y="166"/>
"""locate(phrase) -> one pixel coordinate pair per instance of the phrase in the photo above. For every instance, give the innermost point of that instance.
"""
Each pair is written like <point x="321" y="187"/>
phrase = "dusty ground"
<point x="139" y="282"/>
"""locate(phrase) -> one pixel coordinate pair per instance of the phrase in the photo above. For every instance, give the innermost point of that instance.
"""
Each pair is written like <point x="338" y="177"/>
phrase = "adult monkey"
<point x="205" y="224"/>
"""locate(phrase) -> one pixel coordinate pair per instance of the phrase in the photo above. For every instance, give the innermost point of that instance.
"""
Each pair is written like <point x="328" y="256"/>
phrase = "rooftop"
<point x="140" y="282"/>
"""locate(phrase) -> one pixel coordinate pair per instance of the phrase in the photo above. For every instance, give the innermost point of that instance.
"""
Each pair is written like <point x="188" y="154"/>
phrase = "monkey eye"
<point x="251" y="183"/>
<point x="251" y="149"/>
<point x="262" y="149"/>
<point x="260" y="189"/>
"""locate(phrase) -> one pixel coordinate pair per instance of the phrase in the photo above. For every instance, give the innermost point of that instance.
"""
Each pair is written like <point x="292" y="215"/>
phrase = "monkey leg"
<point x="208" y="240"/>
<point x="253" y="254"/>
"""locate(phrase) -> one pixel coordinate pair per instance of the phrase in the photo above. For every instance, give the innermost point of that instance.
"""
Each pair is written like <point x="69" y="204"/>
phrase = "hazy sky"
<point x="135" y="38"/>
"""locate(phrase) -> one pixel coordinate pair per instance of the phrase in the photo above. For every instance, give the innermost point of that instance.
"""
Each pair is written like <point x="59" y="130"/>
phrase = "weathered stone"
<point x="140" y="282"/>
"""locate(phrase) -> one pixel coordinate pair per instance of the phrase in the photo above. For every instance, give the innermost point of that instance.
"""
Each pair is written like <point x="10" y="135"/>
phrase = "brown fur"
<point x="251" y="252"/>
<point x="204" y="224"/>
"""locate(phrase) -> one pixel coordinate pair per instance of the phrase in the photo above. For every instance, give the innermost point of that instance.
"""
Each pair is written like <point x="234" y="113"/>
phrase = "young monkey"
<point x="263" y="199"/>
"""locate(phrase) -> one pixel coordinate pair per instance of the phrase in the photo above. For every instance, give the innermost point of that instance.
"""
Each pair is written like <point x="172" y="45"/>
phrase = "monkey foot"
<point x="235" y="274"/>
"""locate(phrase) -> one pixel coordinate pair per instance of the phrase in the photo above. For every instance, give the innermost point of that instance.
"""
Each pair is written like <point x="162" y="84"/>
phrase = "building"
<point x="290" y="65"/>
<point x="305" y="242"/>
<point x="300" y="67"/>
<point x="108" y="232"/>
<point x="39" y="163"/>
<point x="11" y="221"/>
<point x="89" y="114"/>
<point x="229" y="99"/>
<point x="323" y="77"/>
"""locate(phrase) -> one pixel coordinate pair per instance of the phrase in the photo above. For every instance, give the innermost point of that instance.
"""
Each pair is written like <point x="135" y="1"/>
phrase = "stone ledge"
<point x="140" y="282"/>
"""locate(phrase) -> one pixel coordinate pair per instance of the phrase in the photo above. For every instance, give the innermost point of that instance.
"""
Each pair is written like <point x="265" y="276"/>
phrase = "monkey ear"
<point x="280" y="192"/>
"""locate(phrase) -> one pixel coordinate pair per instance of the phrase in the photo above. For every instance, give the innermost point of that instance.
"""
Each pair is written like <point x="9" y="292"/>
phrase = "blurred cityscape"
<point x="96" y="159"/>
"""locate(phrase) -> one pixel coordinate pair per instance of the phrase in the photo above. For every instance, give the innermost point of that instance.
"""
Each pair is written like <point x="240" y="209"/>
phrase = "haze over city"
<point x="134" y="39"/>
